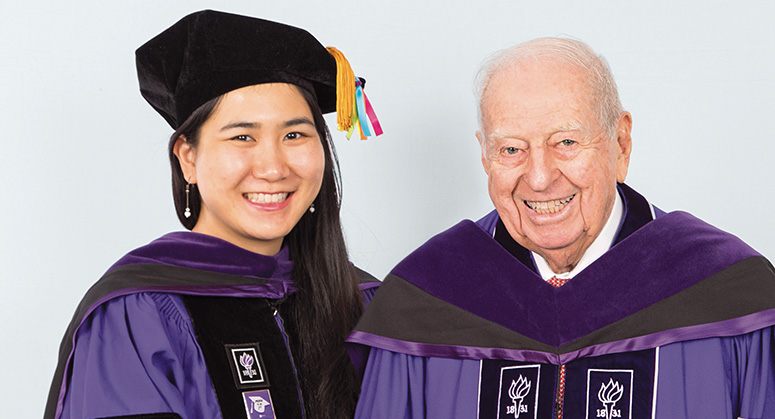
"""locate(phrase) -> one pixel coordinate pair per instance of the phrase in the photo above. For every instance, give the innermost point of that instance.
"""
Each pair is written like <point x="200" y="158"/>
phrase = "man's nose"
<point x="541" y="169"/>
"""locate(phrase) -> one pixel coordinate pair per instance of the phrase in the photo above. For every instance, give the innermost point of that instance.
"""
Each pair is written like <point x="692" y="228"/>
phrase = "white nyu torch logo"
<point x="517" y="391"/>
<point x="609" y="394"/>
<point x="247" y="362"/>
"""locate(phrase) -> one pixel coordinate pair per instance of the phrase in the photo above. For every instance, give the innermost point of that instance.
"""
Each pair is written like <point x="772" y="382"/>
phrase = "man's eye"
<point x="567" y="142"/>
<point x="511" y="150"/>
<point x="242" y="138"/>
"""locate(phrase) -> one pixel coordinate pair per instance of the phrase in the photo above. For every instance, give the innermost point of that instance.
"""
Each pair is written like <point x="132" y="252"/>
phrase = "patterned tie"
<point x="557" y="282"/>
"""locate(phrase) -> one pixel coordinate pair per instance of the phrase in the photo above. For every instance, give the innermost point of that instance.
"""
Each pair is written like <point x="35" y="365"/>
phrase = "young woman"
<point x="245" y="315"/>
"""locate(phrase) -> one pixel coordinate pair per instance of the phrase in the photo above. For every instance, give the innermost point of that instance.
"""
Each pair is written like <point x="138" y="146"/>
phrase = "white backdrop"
<point x="83" y="166"/>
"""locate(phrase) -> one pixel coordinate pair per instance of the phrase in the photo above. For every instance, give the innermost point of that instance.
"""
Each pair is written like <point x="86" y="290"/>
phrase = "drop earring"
<point x="187" y="212"/>
<point x="312" y="208"/>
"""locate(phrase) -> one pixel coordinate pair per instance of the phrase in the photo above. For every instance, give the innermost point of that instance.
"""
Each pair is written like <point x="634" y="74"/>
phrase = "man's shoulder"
<point x="463" y="241"/>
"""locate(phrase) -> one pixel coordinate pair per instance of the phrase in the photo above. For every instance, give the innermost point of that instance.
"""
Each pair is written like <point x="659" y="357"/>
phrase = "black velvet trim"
<point x="146" y="416"/>
<point x="503" y="238"/>
<point x="402" y="311"/>
<point x="637" y="212"/>
<point x="221" y="323"/>
<point x="742" y="289"/>
<point x="148" y="276"/>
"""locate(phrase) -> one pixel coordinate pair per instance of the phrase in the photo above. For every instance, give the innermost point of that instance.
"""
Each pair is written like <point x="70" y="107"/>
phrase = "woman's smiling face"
<point x="258" y="166"/>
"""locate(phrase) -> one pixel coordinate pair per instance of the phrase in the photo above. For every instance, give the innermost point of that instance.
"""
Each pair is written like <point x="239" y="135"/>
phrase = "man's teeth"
<point x="266" y="198"/>
<point x="549" y="207"/>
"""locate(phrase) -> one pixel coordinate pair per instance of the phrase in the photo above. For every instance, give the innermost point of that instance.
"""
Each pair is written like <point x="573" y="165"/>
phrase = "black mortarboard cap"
<point x="209" y="53"/>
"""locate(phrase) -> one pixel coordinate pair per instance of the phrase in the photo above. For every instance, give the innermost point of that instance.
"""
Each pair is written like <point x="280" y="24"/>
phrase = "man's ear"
<point x="186" y="155"/>
<point x="483" y="147"/>
<point x="624" y="145"/>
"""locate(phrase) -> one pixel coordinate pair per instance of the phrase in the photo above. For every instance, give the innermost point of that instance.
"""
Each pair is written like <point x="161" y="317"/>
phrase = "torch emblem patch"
<point x="609" y="394"/>
<point x="518" y="395"/>
<point x="246" y="366"/>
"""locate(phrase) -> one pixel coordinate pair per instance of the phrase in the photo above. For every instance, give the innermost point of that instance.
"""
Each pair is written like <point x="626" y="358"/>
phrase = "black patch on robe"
<point x="621" y="383"/>
<point x="222" y="321"/>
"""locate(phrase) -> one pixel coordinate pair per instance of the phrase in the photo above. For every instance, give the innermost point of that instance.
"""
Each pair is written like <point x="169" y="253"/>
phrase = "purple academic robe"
<point x="675" y="321"/>
<point x="132" y="347"/>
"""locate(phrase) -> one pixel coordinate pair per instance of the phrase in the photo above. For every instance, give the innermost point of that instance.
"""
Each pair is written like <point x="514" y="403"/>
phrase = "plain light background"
<point x="84" y="175"/>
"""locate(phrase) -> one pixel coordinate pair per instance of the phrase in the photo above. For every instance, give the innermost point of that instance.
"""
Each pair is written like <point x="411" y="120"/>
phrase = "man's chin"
<point x="552" y="241"/>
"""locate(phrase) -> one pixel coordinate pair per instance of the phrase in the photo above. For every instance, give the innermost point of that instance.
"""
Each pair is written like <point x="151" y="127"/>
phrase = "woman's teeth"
<point x="549" y="207"/>
<point x="266" y="198"/>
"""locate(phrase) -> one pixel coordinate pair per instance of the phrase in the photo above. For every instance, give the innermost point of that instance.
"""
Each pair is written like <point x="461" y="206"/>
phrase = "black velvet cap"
<point x="209" y="53"/>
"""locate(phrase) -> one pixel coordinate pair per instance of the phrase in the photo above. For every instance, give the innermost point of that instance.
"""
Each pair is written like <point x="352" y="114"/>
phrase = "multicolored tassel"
<point x="353" y="108"/>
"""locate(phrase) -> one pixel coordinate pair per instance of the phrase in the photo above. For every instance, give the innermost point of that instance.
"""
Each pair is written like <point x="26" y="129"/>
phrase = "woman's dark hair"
<point x="329" y="302"/>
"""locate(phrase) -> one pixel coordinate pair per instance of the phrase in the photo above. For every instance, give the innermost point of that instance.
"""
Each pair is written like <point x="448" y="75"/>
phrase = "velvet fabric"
<point x="679" y="313"/>
<point x="209" y="53"/>
<point x="690" y="251"/>
<point x="134" y="321"/>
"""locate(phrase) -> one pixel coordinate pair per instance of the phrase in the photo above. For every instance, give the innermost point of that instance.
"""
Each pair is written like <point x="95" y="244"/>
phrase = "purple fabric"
<point x="722" y="370"/>
<point x="738" y="326"/>
<point x="184" y="249"/>
<point x="733" y="327"/>
<point x="718" y="378"/>
<point x="358" y="353"/>
<point x="208" y="253"/>
<point x="688" y="251"/>
<point x="136" y="350"/>
<point x="448" y="351"/>
<point x="713" y="378"/>
<point x="398" y="386"/>
<point x="124" y="346"/>
<point x="488" y="222"/>
<point x="138" y="354"/>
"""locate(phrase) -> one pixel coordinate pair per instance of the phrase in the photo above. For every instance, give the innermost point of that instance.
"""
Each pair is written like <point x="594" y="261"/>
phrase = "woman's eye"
<point x="293" y="136"/>
<point x="242" y="138"/>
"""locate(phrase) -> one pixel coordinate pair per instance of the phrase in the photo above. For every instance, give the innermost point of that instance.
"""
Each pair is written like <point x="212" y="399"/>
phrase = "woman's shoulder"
<point x="140" y="315"/>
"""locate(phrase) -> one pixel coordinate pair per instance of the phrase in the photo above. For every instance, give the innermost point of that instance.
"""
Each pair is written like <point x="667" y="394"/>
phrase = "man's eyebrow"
<point x="499" y="135"/>
<point x="570" y="126"/>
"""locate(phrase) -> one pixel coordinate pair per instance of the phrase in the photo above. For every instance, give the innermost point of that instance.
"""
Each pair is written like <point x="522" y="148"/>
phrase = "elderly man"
<point x="575" y="298"/>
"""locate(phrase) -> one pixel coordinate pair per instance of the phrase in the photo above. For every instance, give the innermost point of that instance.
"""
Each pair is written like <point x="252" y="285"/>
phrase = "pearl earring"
<point x="187" y="212"/>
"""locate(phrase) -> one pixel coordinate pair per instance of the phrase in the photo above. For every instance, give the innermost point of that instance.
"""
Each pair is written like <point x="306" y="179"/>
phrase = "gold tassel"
<point x="345" y="90"/>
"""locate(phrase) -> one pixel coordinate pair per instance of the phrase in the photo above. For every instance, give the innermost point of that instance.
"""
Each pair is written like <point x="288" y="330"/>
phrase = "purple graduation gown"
<point x="675" y="321"/>
<point x="131" y="347"/>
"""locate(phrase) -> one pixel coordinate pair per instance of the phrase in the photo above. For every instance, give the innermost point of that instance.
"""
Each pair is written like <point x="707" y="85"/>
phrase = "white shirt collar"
<point x="601" y="245"/>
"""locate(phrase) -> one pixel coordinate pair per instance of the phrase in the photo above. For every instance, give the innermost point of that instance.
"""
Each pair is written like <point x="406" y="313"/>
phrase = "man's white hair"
<point x="602" y="85"/>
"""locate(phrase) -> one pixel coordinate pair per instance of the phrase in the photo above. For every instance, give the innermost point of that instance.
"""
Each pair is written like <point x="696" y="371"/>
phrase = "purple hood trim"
<point x="187" y="250"/>
<point x="660" y="259"/>
<point x="731" y="327"/>
<point x="200" y="251"/>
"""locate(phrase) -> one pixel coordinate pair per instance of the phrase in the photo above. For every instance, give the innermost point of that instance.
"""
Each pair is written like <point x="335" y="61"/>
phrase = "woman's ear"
<point x="186" y="155"/>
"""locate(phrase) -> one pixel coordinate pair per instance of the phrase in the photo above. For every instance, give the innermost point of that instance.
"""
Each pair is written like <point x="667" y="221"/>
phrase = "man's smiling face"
<point x="552" y="167"/>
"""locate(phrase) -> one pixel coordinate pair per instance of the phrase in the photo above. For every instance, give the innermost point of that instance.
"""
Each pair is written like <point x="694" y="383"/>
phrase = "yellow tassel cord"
<point x="345" y="91"/>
